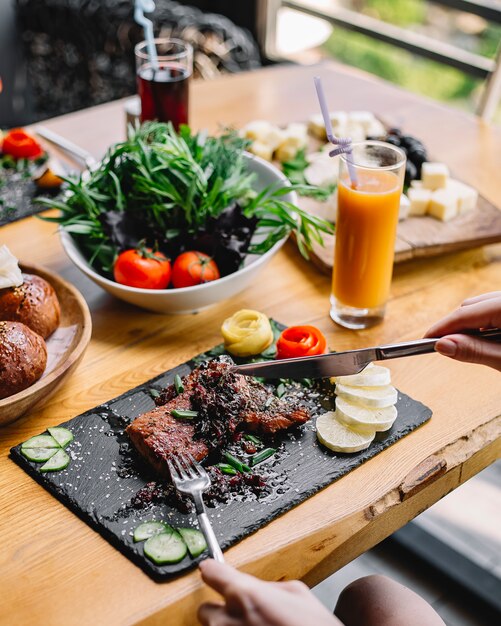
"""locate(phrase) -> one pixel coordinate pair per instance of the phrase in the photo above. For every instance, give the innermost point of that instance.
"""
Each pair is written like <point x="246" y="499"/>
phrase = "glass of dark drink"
<point x="163" y="82"/>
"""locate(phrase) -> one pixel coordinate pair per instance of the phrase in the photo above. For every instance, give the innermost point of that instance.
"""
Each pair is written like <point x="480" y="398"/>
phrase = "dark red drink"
<point x="164" y="93"/>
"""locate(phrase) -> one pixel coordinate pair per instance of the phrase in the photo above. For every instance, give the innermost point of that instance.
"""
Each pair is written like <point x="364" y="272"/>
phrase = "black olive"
<point x="394" y="140"/>
<point x="411" y="172"/>
<point x="395" y="131"/>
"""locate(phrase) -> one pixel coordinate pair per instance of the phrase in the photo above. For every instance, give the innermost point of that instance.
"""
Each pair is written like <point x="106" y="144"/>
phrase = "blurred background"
<point x="57" y="56"/>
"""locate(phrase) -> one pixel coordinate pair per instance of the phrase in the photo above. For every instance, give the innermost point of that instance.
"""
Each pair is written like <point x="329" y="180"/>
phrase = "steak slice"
<point x="226" y="402"/>
<point x="157" y="435"/>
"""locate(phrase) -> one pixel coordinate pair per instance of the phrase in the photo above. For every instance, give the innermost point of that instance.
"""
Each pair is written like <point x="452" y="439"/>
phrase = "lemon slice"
<point x="362" y="419"/>
<point x="369" y="397"/>
<point x="338" y="437"/>
<point x="371" y="376"/>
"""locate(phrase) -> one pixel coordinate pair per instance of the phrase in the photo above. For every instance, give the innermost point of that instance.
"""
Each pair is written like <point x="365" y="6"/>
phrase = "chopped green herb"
<point x="306" y="382"/>
<point x="253" y="439"/>
<point x="154" y="393"/>
<point x="280" y="390"/>
<point x="262" y="456"/>
<point x="178" y="384"/>
<point x="227" y="469"/>
<point x="234" y="462"/>
<point x="183" y="414"/>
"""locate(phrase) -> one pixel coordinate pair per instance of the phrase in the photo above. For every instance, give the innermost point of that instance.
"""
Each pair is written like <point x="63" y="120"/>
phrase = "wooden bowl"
<point x="65" y="347"/>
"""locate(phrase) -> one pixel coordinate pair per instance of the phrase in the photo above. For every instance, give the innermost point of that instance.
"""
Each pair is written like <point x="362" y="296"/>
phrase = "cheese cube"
<point x="354" y="131"/>
<point x="295" y="135"/>
<point x="443" y="204"/>
<point x="362" y="118"/>
<point x="316" y="126"/>
<point x="419" y="200"/>
<point x="417" y="184"/>
<point x="434" y="175"/>
<point x="286" y="152"/>
<point x="257" y="130"/>
<point x="375" y="129"/>
<point x="405" y="206"/>
<point x="261" y="149"/>
<point x="338" y="118"/>
<point x="467" y="196"/>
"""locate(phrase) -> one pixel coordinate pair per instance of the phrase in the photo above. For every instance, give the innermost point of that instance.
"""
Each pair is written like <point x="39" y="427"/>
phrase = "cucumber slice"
<point x="41" y="441"/>
<point x="57" y="462"/>
<point x="149" y="529"/>
<point x="38" y="454"/>
<point x="63" y="436"/>
<point x="194" y="540"/>
<point x="165" y="548"/>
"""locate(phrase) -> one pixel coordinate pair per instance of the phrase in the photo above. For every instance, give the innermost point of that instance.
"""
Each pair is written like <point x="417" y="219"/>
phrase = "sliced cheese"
<point x="419" y="200"/>
<point x="434" y="175"/>
<point x="10" y="274"/>
<point x="443" y="204"/>
<point x="362" y="419"/>
<point x="369" y="397"/>
<point x="370" y="376"/>
<point x="340" y="438"/>
<point x="467" y="196"/>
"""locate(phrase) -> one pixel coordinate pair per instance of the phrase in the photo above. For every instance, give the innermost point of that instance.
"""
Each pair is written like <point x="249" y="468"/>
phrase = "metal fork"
<point x="190" y="477"/>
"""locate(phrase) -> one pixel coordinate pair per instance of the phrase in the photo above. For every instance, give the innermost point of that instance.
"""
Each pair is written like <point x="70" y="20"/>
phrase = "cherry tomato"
<point x="298" y="341"/>
<point x="20" y="145"/>
<point x="142" y="268"/>
<point x="193" y="268"/>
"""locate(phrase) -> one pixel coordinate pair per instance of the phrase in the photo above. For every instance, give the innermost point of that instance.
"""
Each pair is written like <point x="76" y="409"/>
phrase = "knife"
<point x="349" y="362"/>
<point x="75" y="152"/>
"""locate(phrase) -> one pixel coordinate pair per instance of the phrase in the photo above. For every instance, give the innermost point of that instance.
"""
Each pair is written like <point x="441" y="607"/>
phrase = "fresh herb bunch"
<point x="171" y="189"/>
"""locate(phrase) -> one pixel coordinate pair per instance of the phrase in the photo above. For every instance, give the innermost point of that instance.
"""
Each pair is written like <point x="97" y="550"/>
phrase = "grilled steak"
<point x="226" y="402"/>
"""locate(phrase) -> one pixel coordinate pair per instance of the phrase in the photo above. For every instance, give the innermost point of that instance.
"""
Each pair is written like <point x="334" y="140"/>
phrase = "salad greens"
<point x="179" y="191"/>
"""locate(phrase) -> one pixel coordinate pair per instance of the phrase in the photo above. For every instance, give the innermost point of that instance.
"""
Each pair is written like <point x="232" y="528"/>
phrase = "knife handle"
<point x="425" y="346"/>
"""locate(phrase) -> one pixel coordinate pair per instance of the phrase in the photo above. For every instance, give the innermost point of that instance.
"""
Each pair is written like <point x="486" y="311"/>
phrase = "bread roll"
<point x="23" y="357"/>
<point x="33" y="303"/>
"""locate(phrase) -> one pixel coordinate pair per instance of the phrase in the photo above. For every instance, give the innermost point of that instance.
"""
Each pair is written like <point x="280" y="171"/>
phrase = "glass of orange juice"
<point x="369" y="190"/>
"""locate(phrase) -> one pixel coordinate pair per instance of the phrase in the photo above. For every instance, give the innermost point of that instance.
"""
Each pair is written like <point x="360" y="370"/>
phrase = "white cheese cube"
<point x="261" y="149"/>
<point x="405" y="206"/>
<point x="295" y="135"/>
<point x="286" y="152"/>
<point x="419" y="200"/>
<point x="338" y="118"/>
<point x="354" y="131"/>
<point x="362" y="118"/>
<point x="316" y="126"/>
<point x="375" y="129"/>
<point x="443" y="204"/>
<point x="417" y="184"/>
<point x="257" y="130"/>
<point x="434" y="175"/>
<point x="323" y="171"/>
<point x="467" y="196"/>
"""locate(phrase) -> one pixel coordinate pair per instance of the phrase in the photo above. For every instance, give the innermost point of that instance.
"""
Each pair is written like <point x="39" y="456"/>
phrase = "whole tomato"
<point x="20" y="145"/>
<point x="142" y="268"/>
<point x="193" y="268"/>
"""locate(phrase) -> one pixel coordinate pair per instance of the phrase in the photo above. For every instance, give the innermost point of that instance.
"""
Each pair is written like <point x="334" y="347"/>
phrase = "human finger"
<point x="212" y="614"/>
<point x="486" y="314"/>
<point x="471" y="350"/>
<point x="222" y="577"/>
<point x="481" y="298"/>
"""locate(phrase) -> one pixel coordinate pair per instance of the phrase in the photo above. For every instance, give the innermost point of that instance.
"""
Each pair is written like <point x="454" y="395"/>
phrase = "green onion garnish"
<point x="183" y="414"/>
<point x="154" y="393"/>
<point x="262" y="456"/>
<point x="178" y="384"/>
<point x="227" y="469"/>
<point x="255" y="440"/>
<point x="234" y="462"/>
<point x="280" y="390"/>
<point x="306" y="382"/>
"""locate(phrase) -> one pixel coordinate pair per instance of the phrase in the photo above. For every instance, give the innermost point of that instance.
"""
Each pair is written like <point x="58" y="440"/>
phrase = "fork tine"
<point x="180" y="467"/>
<point x="173" y="471"/>
<point x="188" y="465"/>
<point x="199" y="470"/>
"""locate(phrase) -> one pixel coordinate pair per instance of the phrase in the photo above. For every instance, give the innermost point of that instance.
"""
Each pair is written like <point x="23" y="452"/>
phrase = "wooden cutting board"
<point x="425" y="236"/>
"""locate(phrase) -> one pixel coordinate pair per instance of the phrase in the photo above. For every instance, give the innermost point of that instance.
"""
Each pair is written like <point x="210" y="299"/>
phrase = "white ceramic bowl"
<point x="190" y="299"/>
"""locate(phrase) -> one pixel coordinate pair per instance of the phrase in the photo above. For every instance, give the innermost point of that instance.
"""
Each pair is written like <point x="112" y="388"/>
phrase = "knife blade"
<point x="346" y="363"/>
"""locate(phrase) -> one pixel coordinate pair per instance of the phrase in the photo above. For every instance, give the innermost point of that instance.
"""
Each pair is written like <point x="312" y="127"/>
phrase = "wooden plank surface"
<point x="54" y="567"/>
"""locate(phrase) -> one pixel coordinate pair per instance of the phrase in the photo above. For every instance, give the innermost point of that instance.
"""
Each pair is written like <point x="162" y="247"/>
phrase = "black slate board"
<point x="92" y="488"/>
<point x="17" y="195"/>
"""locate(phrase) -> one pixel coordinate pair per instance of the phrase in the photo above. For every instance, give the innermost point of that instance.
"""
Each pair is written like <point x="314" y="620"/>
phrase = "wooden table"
<point x="55" y="569"/>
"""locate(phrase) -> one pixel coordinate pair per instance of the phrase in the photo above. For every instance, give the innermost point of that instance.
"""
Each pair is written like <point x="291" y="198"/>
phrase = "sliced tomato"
<point x="299" y="341"/>
<point x="21" y="145"/>
<point x="193" y="268"/>
<point x="142" y="268"/>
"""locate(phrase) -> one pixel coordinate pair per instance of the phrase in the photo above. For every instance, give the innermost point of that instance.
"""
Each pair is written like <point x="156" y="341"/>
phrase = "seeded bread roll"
<point x="23" y="357"/>
<point x="33" y="303"/>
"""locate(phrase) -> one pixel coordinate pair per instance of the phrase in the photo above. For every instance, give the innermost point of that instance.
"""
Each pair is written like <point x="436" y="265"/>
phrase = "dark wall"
<point x="242" y="12"/>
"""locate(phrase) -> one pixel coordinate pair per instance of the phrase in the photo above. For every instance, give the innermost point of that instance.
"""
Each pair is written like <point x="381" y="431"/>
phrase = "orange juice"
<point x="365" y="238"/>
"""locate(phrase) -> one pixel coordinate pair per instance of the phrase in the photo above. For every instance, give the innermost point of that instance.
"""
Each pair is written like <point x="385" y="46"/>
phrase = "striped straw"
<point x="343" y="143"/>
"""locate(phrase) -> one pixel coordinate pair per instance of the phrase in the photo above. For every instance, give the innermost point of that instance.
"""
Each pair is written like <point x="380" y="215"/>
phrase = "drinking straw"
<point x="343" y="143"/>
<point x="148" y="6"/>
